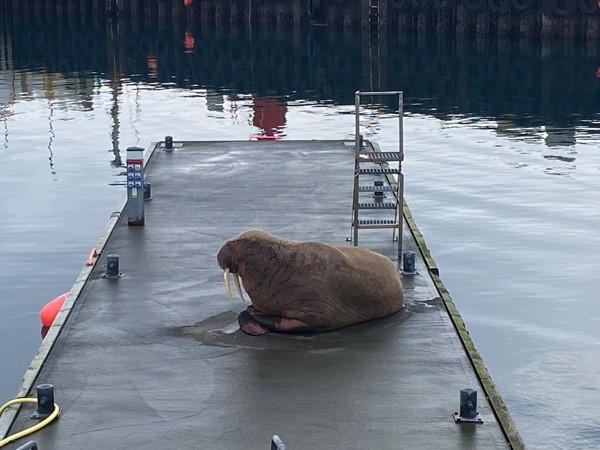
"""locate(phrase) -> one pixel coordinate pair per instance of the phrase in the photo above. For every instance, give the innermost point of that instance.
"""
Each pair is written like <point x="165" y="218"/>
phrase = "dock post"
<point x="468" y="407"/>
<point x="408" y="263"/>
<point x="468" y="403"/>
<point x="135" y="186"/>
<point x="169" y="143"/>
<point x="112" y="267"/>
<point x="45" y="401"/>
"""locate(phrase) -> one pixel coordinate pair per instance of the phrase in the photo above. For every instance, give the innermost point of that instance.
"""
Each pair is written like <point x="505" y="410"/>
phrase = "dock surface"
<point x="155" y="359"/>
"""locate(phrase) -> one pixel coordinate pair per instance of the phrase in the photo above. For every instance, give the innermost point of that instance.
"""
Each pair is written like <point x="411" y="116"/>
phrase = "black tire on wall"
<point x="420" y="5"/>
<point x="499" y="6"/>
<point x="442" y="4"/>
<point x="522" y="6"/>
<point x="563" y="8"/>
<point x="475" y="6"/>
<point x="589" y="7"/>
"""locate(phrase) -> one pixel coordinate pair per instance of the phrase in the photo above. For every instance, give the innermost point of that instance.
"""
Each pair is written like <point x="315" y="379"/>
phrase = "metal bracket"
<point x="459" y="419"/>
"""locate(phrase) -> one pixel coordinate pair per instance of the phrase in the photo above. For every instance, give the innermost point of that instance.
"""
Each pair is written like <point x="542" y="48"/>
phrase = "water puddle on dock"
<point x="222" y="330"/>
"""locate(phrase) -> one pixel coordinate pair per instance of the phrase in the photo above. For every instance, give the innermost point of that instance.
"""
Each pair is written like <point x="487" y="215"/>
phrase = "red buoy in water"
<point x="50" y="310"/>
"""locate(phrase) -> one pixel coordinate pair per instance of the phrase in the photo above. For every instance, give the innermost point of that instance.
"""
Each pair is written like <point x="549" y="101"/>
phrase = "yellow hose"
<point x="33" y="429"/>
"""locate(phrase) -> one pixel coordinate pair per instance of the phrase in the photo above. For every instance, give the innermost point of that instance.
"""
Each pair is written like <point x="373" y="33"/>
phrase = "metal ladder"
<point x="373" y="15"/>
<point x="370" y="162"/>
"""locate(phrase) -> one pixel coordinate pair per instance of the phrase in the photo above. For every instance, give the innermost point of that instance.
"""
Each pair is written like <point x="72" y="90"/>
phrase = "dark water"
<point x="502" y="171"/>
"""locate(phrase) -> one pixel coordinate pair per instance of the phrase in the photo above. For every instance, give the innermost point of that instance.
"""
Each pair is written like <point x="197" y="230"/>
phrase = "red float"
<point x="50" y="310"/>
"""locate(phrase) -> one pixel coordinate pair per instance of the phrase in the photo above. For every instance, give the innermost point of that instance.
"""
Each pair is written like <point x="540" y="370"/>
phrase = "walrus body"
<point x="303" y="287"/>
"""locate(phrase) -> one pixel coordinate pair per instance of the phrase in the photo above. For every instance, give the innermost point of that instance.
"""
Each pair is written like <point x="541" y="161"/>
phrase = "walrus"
<point x="306" y="286"/>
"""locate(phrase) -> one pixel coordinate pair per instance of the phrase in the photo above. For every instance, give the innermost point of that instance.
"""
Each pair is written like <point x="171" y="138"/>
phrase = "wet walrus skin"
<point x="306" y="287"/>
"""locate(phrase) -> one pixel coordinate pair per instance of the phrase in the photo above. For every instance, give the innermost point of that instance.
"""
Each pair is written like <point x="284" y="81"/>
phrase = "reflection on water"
<point x="521" y="86"/>
<point x="486" y="123"/>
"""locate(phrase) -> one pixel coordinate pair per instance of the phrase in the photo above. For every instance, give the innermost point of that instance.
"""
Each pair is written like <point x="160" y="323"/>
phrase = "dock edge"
<point x="9" y="416"/>
<point x="492" y="394"/>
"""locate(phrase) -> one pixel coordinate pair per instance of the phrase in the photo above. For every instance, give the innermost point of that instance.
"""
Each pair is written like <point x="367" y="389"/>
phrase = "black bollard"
<point x="45" y="400"/>
<point x="468" y="403"/>
<point x="147" y="191"/>
<point x="168" y="143"/>
<point x="112" y="267"/>
<point x="408" y="262"/>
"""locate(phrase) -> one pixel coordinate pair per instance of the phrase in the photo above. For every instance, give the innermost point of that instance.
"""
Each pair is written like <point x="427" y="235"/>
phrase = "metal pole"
<point x="400" y="124"/>
<point x="400" y="198"/>
<point x="357" y="145"/>
<point x="357" y="123"/>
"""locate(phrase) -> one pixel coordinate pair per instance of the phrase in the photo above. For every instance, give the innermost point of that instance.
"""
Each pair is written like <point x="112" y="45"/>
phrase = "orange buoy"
<point x="92" y="257"/>
<point x="50" y="310"/>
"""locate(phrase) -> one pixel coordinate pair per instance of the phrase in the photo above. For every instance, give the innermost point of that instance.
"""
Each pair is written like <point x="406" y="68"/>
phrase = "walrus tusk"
<point x="236" y="280"/>
<point x="227" y="285"/>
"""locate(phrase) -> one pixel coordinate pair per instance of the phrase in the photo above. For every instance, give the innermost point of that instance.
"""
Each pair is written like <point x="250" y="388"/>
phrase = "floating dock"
<point x="154" y="358"/>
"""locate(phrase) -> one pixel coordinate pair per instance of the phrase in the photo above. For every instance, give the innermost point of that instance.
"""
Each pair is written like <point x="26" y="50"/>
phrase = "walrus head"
<point x="250" y="249"/>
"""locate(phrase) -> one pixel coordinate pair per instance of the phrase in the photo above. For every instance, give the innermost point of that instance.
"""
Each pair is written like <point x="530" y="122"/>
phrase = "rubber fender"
<point x="314" y="9"/>
<point x="499" y="6"/>
<point x="420" y="5"/>
<point x="442" y="4"/>
<point x="399" y="4"/>
<point x="563" y="8"/>
<point x="589" y="7"/>
<point x="522" y="6"/>
<point x="475" y="6"/>
<point x="50" y="310"/>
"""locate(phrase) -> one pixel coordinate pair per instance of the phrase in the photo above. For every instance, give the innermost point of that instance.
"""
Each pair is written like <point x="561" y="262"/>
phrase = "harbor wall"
<point x="541" y="84"/>
<point x="563" y="19"/>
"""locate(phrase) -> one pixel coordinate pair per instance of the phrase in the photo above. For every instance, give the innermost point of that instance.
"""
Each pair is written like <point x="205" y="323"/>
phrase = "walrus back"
<point x="375" y="283"/>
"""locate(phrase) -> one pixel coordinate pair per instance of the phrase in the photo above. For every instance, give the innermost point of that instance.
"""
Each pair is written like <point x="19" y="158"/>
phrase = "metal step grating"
<point x="377" y="222"/>
<point x="378" y="205"/>
<point x="377" y="188"/>
<point x="378" y="171"/>
<point x="381" y="156"/>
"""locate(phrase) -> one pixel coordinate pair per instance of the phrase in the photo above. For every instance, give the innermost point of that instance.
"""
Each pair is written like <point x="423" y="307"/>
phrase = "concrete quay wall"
<point x="562" y="19"/>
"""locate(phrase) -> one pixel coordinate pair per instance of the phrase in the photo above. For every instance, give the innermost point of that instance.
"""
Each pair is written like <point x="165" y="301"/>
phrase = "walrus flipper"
<point x="253" y="323"/>
<point x="249" y="325"/>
